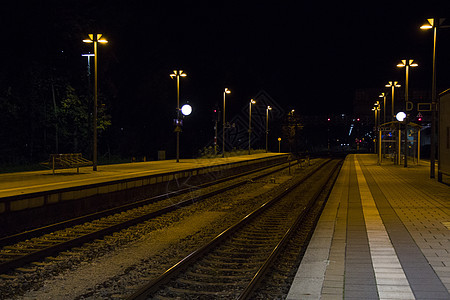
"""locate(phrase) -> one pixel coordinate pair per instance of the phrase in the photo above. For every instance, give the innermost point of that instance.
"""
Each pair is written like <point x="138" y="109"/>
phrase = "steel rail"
<point x="253" y="285"/>
<point x="156" y="283"/>
<point x="95" y="234"/>
<point x="97" y="215"/>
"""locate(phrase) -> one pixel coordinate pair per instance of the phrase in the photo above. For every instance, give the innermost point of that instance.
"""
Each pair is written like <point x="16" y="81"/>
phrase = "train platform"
<point x="13" y="184"/>
<point x="384" y="234"/>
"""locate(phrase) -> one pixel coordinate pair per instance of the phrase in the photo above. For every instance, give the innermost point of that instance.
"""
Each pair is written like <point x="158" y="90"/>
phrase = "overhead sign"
<point x="425" y="106"/>
<point x="409" y="105"/>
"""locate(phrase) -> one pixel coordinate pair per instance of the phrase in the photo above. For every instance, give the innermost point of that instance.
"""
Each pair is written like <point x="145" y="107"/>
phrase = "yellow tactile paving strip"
<point x="389" y="275"/>
<point x="404" y="218"/>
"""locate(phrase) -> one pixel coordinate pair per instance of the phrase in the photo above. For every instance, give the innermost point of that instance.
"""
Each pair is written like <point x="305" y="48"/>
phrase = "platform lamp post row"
<point x="98" y="38"/>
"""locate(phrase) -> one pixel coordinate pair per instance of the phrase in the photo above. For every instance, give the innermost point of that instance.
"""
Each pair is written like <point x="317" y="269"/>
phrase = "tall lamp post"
<point x="376" y="110"/>
<point x="250" y="123"/>
<point x="267" y="127"/>
<point x="383" y="95"/>
<point x="95" y="38"/>
<point x="226" y="91"/>
<point x="392" y="85"/>
<point x="435" y="24"/>
<point x="406" y="63"/>
<point x="178" y="74"/>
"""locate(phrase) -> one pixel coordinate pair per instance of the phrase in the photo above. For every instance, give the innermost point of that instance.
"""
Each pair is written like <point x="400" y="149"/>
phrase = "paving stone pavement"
<point x="384" y="234"/>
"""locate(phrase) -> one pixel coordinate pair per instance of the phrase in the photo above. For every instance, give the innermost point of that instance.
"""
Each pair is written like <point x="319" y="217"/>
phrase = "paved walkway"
<point x="12" y="184"/>
<point x="384" y="234"/>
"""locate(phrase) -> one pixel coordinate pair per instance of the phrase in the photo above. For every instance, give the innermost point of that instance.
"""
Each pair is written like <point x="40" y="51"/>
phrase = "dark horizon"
<point x="307" y="57"/>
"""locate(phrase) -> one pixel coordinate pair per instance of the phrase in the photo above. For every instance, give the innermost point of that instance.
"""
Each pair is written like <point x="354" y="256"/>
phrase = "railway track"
<point x="34" y="245"/>
<point x="233" y="264"/>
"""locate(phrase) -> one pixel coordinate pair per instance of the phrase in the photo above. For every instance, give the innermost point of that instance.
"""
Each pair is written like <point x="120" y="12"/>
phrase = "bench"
<point x="66" y="161"/>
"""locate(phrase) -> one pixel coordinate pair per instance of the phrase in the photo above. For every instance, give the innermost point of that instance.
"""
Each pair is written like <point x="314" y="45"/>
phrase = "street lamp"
<point x="267" y="126"/>
<point x="393" y="84"/>
<point x="95" y="38"/>
<point x="435" y="24"/>
<point x="383" y="95"/>
<point x="186" y="110"/>
<point x="226" y="91"/>
<point x="178" y="74"/>
<point x="250" y="123"/>
<point x="376" y="110"/>
<point x="407" y="63"/>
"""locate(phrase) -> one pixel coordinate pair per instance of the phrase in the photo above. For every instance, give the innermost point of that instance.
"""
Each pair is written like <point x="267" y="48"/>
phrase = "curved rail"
<point x="107" y="212"/>
<point x="155" y="285"/>
<point x="31" y="250"/>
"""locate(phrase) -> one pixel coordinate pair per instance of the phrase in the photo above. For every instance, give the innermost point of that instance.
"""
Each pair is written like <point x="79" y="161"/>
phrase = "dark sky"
<point x="307" y="55"/>
<point x="302" y="53"/>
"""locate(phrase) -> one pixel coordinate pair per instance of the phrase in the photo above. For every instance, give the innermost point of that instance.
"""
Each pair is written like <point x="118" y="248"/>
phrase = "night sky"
<point x="310" y="56"/>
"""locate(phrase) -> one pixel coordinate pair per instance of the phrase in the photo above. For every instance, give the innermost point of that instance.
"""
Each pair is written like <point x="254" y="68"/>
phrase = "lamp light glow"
<point x="186" y="109"/>
<point x="394" y="83"/>
<point x="400" y="116"/>
<point x="429" y="25"/>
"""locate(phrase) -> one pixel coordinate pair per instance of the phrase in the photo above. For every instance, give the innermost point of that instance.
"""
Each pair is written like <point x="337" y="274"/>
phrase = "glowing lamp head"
<point x="178" y="73"/>
<point x="95" y="38"/>
<point x="428" y="25"/>
<point x="186" y="109"/>
<point x="400" y="116"/>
